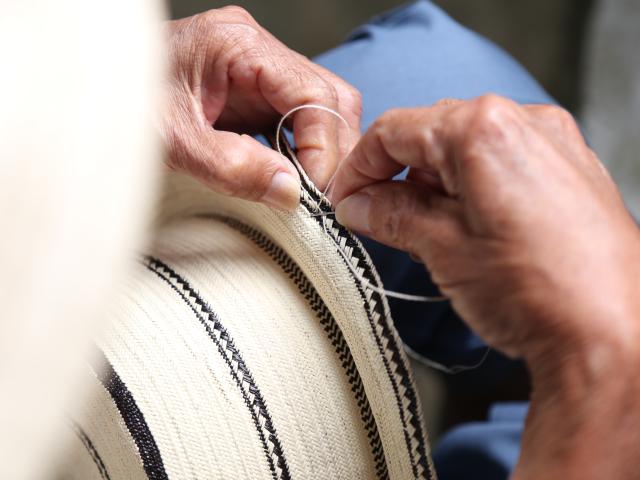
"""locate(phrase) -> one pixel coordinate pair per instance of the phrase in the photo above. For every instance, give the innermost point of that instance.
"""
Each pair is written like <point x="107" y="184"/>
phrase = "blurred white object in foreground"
<point x="77" y="153"/>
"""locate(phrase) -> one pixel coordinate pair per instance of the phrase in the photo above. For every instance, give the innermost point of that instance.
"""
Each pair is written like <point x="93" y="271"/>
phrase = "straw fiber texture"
<point x="244" y="348"/>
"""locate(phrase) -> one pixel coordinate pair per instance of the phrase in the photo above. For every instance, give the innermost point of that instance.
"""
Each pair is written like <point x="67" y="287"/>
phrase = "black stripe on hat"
<point x="331" y="328"/>
<point x="91" y="450"/>
<point x="239" y="371"/>
<point x="394" y="364"/>
<point x="133" y="419"/>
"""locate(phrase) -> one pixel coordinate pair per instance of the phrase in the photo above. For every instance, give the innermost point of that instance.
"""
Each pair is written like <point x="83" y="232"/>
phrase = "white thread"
<point x="320" y="213"/>
<point x="389" y="293"/>
<point x="453" y="369"/>
<point x="303" y="107"/>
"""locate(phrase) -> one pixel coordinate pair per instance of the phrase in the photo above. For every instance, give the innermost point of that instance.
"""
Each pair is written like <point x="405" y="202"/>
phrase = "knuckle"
<point x="492" y="111"/>
<point x="380" y="133"/>
<point x="350" y="92"/>
<point x="388" y="117"/>
<point x="355" y="94"/>
<point x="562" y="117"/>
<point x="490" y="122"/>
<point x="555" y="110"/>
<point x="233" y="26"/>
<point x="317" y="90"/>
<point x="207" y="19"/>
<point x="240" y="43"/>
<point x="427" y="137"/>
<point x="239" y="14"/>
<point x="377" y="130"/>
<point x="355" y="99"/>
<point x="332" y="93"/>
<point x="446" y="102"/>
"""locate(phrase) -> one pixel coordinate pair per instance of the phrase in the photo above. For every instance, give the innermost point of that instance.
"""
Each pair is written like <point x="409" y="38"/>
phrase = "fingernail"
<point x="283" y="193"/>
<point x="353" y="212"/>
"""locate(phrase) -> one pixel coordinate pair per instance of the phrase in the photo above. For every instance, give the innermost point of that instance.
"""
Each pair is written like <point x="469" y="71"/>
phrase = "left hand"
<point x="229" y="78"/>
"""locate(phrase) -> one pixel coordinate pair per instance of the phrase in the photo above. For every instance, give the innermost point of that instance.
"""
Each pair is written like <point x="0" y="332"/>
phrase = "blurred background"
<point x="545" y="35"/>
<point x="584" y="53"/>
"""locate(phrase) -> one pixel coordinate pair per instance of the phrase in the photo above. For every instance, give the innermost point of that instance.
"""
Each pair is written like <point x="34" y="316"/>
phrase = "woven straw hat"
<point x="243" y="347"/>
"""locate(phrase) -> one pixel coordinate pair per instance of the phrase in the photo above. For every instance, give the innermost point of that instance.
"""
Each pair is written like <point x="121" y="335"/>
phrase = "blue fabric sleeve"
<point x="483" y="450"/>
<point x="416" y="55"/>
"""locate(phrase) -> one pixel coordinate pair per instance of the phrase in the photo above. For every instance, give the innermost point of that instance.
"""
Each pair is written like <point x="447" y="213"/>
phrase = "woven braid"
<point x="379" y="319"/>
<point x="333" y="332"/>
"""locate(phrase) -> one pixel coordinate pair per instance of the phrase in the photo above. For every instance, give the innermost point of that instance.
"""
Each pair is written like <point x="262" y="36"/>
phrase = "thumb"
<point x="240" y="166"/>
<point x="406" y="216"/>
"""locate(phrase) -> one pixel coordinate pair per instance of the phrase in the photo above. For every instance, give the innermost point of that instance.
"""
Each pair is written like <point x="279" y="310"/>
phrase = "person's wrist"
<point x="587" y="317"/>
<point x="584" y="362"/>
<point x="585" y="399"/>
<point x="586" y="353"/>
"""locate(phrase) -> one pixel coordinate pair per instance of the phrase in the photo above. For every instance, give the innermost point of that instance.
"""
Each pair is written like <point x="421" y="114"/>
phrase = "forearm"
<point x="584" y="421"/>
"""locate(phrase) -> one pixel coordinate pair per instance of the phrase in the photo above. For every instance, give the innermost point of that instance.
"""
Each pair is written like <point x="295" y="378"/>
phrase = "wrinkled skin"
<point x="524" y="230"/>
<point x="229" y="72"/>
<point x="520" y="225"/>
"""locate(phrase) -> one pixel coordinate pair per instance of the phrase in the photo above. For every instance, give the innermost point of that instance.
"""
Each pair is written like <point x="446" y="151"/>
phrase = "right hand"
<point x="517" y="220"/>
<point x="525" y="232"/>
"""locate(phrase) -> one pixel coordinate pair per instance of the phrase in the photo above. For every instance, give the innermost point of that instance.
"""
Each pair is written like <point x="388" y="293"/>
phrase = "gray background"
<point x="545" y="35"/>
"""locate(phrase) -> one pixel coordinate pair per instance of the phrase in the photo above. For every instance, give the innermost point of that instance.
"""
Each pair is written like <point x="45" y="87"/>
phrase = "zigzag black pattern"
<point x="388" y="348"/>
<point x="415" y="441"/>
<point x="239" y="370"/>
<point x="333" y="332"/>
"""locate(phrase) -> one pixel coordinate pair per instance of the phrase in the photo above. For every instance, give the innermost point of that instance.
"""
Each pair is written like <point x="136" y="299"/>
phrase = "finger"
<point x="453" y="140"/>
<point x="289" y="81"/>
<point x="558" y="124"/>
<point x="237" y="165"/>
<point x="399" y="138"/>
<point x="426" y="177"/>
<point x="448" y="102"/>
<point x="349" y="101"/>
<point x="249" y="77"/>
<point x="273" y="78"/>
<point x="349" y="107"/>
<point x="561" y="128"/>
<point x="317" y="135"/>
<point x="404" y="216"/>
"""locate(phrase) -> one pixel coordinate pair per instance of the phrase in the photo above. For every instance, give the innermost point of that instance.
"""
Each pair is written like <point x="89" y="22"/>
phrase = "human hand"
<point x="520" y="225"/>
<point x="525" y="232"/>
<point x="229" y="72"/>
